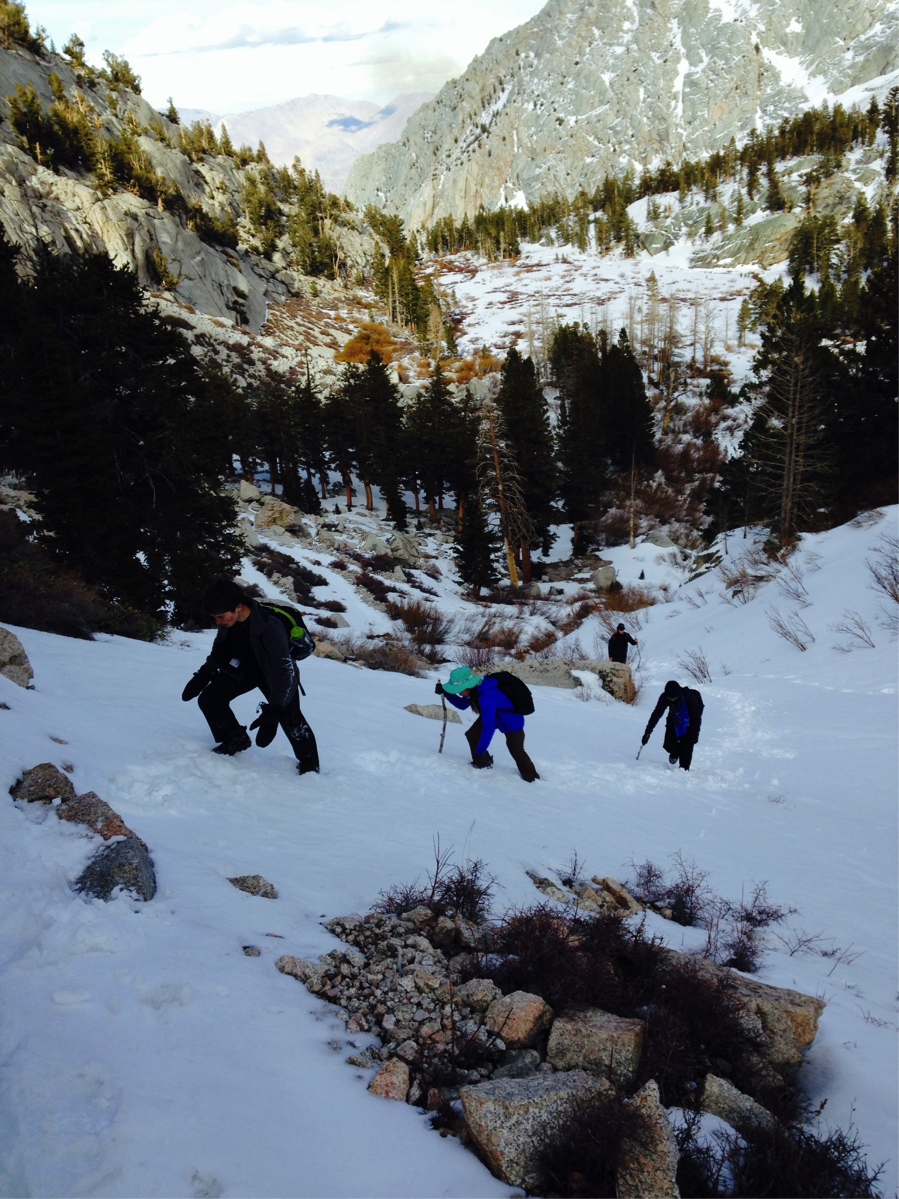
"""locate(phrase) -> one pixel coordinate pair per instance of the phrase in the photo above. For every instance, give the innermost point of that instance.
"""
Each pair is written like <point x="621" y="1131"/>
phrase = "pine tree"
<point x="477" y="547"/>
<point x="379" y="439"/>
<point x="340" y="425"/>
<point x="122" y="437"/>
<point x="581" y="443"/>
<point x="526" y="416"/>
<point x="433" y="425"/>
<point x="628" y="422"/>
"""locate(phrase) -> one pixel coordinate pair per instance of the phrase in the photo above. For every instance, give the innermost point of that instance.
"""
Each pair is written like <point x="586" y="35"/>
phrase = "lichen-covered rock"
<point x="254" y="884"/>
<point x="510" y="1119"/>
<point x="518" y="1018"/>
<point x="124" y="863"/>
<point x="275" y="512"/>
<point x="597" y="1042"/>
<point x="787" y="1020"/>
<point x="647" y="1166"/>
<point x="478" y="994"/>
<point x="93" y="812"/>
<point x="619" y="895"/>
<point x="518" y="1063"/>
<point x="43" y="784"/>
<point x="14" y="664"/>
<point x="404" y="548"/>
<point x="721" y="1098"/>
<point x="391" y="1081"/>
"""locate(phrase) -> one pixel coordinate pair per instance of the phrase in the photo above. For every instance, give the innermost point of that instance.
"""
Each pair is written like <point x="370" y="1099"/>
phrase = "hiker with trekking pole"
<point x="683" y="721"/>
<point x="501" y="702"/>
<point x="258" y="644"/>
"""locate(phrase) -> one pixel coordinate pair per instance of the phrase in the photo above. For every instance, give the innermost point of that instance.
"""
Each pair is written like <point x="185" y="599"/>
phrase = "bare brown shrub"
<point x="629" y="599"/>
<point x="426" y="625"/>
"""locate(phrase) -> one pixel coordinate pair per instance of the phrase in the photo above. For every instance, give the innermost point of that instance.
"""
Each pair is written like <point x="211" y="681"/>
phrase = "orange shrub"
<point x="371" y="336"/>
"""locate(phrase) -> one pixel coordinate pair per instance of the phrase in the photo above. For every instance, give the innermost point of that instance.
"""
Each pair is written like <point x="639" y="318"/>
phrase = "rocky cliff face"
<point x="590" y="86"/>
<point x="65" y="209"/>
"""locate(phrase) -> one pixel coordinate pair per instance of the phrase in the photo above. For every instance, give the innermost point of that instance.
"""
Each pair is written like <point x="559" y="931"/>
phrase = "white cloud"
<point x="257" y="52"/>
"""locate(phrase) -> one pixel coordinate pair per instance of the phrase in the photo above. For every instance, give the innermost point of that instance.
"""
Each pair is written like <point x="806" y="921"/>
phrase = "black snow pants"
<point x="215" y="704"/>
<point x="514" y="744"/>
<point x="682" y="746"/>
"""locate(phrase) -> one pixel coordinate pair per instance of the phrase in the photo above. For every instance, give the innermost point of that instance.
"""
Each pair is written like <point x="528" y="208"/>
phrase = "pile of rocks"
<point x="123" y="861"/>
<point x="510" y="1064"/>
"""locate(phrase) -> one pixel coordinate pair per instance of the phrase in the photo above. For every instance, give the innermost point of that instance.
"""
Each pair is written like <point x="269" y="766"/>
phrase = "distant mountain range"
<point x="590" y="87"/>
<point x="328" y="133"/>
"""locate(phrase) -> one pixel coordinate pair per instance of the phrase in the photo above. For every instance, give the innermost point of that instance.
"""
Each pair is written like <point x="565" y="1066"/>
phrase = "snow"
<point x="144" y="1054"/>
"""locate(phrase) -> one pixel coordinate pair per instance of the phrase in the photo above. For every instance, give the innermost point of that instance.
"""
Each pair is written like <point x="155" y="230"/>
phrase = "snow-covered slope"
<point x="145" y="1054"/>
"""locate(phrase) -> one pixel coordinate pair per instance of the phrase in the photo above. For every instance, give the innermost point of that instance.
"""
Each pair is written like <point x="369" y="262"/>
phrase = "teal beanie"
<point x="461" y="679"/>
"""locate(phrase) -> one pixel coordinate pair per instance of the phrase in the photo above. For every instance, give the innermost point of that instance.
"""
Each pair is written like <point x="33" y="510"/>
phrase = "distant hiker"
<point x="495" y="709"/>
<point x="618" y="643"/>
<point x="682" y="724"/>
<point x="251" y="649"/>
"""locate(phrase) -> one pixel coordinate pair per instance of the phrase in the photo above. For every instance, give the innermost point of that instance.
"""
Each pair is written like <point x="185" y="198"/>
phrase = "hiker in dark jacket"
<point x="618" y="643"/>
<point x="682" y="724"/>
<point x="251" y="649"/>
<point x="494" y="711"/>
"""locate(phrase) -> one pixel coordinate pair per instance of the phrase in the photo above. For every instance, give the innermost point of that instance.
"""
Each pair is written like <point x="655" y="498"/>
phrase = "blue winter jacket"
<point x="496" y="712"/>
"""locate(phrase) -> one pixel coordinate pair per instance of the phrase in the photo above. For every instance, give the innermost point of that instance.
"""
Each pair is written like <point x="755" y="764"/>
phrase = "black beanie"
<point x="673" y="690"/>
<point x="621" y="628"/>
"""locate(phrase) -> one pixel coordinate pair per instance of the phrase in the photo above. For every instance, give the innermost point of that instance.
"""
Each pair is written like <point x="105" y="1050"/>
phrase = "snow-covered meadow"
<point x="144" y="1054"/>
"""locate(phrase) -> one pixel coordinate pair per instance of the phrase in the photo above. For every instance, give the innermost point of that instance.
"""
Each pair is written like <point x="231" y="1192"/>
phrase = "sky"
<point x="253" y="53"/>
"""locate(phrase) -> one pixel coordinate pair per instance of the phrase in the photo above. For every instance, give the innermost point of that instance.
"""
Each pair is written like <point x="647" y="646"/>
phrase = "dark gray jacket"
<point x="269" y="642"/>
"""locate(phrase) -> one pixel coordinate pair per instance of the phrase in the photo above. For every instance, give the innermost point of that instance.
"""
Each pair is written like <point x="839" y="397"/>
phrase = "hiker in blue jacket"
<point x="683" y="721"/>
<point x="494" y="710"/>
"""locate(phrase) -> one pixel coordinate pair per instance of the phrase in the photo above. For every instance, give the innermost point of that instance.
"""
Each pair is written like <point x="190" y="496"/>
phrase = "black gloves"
<point x="267" y="724"/>
<point x="199" y="682"/>
<point x="482" y="761"/>
<point x="438" y="690"/>
<point x="645" y="740"/>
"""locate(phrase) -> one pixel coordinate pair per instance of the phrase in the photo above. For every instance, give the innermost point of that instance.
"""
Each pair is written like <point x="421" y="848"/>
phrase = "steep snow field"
<point x="144" y="1054"/>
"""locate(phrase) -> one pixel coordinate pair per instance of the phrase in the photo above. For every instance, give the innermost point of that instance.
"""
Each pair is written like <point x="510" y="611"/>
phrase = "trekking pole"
<point x="639" y="751"/>
<point x="443" y="733"/>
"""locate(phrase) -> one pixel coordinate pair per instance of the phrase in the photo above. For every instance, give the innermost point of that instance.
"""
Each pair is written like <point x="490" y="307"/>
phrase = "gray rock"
<point x="43" y="784"/>
<point x="510" y="1120"/>
<point x="252" y="951"/>
<point x="721" y="1098"/>
<point x="616" y="677"/>
<point x="299" y="968"/>
<point x="542" y="672"/>
<point x="518" y="1063"/>
<point x="254" y="884"/>
<point x="374" y="545"/>
<point x="248" y="492"/>
<point x="604" y="578"/>
<point x="657" y="537"/>
<point x="434" y="712"/>
<point x="337" y="621"/>
<point x="404" y="548"/>
<point x="324" y="649"/>
<point x="597" y="1042"/>
<point x="124" y="863"/>
<point x="14" y="664"/>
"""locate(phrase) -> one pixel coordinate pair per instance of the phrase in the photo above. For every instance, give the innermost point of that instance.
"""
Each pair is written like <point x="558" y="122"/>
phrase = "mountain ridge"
<point x="589" y="87"/>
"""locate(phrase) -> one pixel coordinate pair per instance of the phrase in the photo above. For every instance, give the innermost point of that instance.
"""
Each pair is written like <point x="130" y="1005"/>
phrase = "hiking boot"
<point x="672" y="758"/>
<point x="235" y="744"/>
<point x="301" y="769"/>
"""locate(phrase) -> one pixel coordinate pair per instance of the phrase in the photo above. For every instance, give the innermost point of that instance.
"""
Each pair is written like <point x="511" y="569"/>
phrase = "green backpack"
<point x="298" y="636"/>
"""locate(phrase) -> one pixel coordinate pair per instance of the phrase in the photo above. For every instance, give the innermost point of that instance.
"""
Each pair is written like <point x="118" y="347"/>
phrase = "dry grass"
<point x="426" y="625"/>
<point x="629" y="599"/>
<point x="382" y="655"/>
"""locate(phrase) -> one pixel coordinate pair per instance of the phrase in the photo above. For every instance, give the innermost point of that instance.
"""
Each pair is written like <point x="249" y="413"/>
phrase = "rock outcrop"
<point x="648" y="1163"/>
<point x="598" y="1042"/>
<point x="66" y="211"/>
<point x="14" y="664"/>
<point x="585" y="85"/>
<point x="615" y="677"/>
